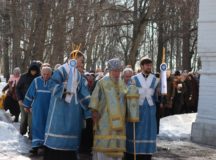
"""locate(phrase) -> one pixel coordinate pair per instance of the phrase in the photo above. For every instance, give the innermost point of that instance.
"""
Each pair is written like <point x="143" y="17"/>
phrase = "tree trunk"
<point x="6" y="33"/>
<point x="139" y="28"/>
<point x="160" y="46"/>
<point x="59" y="33"/>
<point x="160" y="36"/>
<point x="43" y="8"/>
<point x="16" y="33"/>
<point x="186" y="55"/>
<point x="178" y="54"/>
<point x="90" y="56"/>
<point x="80" y="22"/>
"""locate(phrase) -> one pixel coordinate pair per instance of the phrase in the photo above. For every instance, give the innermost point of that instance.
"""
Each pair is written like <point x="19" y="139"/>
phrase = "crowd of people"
<point x="110" y="115"/>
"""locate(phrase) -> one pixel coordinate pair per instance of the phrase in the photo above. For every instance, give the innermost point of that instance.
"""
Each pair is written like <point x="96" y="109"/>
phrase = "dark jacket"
<point x="25" y="81"/>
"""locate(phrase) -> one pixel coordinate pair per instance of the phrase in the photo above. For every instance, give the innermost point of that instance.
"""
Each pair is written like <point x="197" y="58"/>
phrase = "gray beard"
<point x="114" y="80"/>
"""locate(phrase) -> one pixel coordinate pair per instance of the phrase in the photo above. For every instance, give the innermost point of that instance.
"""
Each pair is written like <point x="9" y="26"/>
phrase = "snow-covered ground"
<point x="176" y="127"/>
<point x="2" y="79"/>
<point x="12" y="144"/>
<point x="2" y="84"/>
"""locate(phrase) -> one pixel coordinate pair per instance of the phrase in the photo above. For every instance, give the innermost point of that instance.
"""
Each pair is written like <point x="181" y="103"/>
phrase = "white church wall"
<point x="204" y="128"/>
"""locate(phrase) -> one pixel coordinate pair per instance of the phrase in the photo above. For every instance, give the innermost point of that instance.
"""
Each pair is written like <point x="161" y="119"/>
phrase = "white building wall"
<point x="204" y="128"/>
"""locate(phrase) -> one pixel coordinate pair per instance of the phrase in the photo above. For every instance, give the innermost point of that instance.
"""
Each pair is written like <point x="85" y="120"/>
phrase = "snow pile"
<point x="176" y="127"/>
<point x="4" y="116"/>
<point x="10" y="139"/>
<point x="2" y="85"/>
<point x="2" y="79"/>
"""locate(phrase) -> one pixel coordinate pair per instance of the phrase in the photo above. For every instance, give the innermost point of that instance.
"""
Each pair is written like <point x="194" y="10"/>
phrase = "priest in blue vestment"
<point x="37" y="100"/>
<point x="69" y="94"/>
<point x="141" y="137"/>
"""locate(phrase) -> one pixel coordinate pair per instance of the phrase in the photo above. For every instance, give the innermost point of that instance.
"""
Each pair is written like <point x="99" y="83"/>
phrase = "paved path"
<point x="184" y="150"/>
<point x="167" y="150"/>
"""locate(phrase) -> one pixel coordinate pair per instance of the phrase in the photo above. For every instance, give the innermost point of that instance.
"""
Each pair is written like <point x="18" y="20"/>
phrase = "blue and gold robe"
<point x="108" y="99"/>
<point x="38" y="97"/>
<point x="146" y="128"/>
<point x="64" y="122"/>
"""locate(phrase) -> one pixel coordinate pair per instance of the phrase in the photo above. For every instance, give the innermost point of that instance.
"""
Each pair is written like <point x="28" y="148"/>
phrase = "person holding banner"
<point x="64" y="122"/>
<point x="167" y="99"/>
<point x="144" y="144"/>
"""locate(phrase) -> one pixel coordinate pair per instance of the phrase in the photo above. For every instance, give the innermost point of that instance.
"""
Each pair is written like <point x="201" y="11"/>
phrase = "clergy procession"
<point x="68" y="110"/>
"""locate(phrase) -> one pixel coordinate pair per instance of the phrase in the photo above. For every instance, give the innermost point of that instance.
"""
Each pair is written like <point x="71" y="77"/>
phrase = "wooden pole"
<point x="163" y="55"/>
<point x="134" y="140"/>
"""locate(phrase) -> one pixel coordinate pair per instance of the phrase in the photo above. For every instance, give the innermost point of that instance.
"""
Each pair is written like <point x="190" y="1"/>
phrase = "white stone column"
<point x="204" y="128"/>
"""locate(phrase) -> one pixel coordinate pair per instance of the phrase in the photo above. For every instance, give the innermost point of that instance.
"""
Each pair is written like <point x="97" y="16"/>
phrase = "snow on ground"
<point x="2" y="84"/>
<point x="176" y="127"/>
<point x="2" y="79"/>
<point x="10" y="139"/>
<point x="12" y="144"/>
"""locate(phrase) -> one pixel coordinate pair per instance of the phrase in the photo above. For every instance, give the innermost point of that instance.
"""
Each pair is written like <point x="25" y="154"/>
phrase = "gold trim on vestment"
<point x="102" y="149"/>
<point x="133" y="104"/>
<point x="132" y="96"/>
<point x="107" y="137"/>
<point x="115" y="154"/>
<point x="116" y="121"/>
<point x="133" y="119"/>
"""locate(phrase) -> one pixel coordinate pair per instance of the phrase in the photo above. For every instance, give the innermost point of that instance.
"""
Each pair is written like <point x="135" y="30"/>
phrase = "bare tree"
<point x="58" y="35"/>
<point x="129" y="29"/>
<point x="5" y="18"/>
<point x="141" y="19"/>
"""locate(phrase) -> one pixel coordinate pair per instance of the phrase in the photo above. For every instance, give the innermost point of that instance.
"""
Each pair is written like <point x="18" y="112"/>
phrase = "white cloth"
<point x="145" y="91"/>
<point x="163" y="82"/>
<point x="102" y="156"/>
<point x="73" y="85"/>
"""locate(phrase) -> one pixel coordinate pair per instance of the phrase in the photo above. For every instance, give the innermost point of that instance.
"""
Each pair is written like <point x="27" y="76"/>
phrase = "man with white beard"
<point x="109" y="110"/>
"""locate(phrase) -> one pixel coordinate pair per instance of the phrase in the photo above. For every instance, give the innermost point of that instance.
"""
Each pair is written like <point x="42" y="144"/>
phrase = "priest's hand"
<point x="28" y="110"/>
<point x="20" y="103"/>
<point x="95" y="116"/>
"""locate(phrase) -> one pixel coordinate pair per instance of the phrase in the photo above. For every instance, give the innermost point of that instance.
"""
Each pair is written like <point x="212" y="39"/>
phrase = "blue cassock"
<point x="64" y="122"/>
<point x="38" y="97"/>
<point x="146" y="128"/>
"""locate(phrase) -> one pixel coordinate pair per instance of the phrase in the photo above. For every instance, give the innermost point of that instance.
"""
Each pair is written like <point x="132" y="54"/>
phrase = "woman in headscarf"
<point x="10" y="101"/>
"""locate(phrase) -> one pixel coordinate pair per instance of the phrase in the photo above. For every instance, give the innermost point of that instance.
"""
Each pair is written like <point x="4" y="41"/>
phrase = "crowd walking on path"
<point x="108" y="115"/>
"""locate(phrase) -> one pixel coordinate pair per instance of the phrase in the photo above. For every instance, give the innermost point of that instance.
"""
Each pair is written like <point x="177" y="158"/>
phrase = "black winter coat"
<point x="25" y="81"/>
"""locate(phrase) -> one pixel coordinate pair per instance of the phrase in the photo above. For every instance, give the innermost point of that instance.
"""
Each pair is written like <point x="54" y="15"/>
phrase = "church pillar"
<point x="204" y="128"/>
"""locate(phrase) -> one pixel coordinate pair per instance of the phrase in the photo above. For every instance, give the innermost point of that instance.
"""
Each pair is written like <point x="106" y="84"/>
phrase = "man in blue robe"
<point x="37" y="99"/>
<point x="69" y="94"/>
<point x="143" y="143"/>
